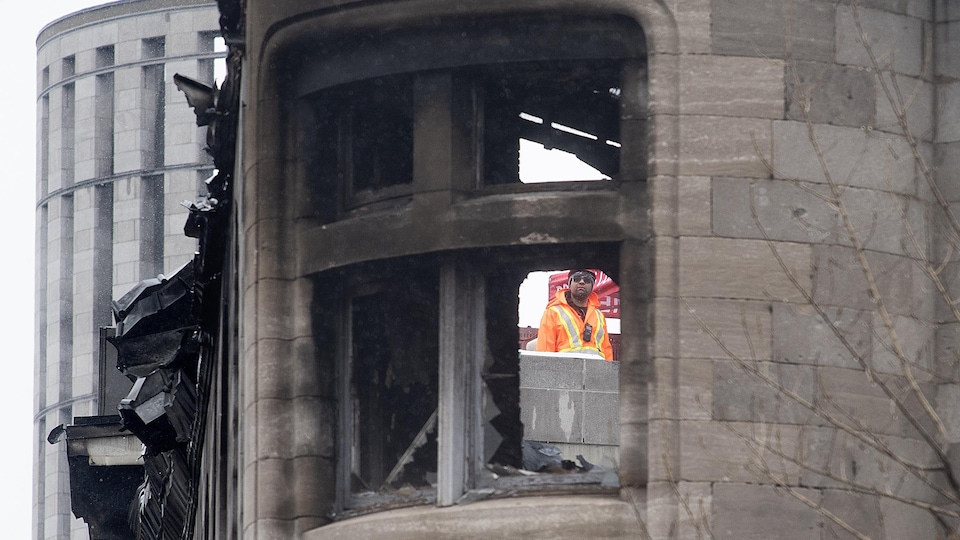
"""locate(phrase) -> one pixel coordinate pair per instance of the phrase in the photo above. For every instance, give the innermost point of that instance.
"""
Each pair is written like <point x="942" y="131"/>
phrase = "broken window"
<point x="521" y="108"/>
<point x="420" y="320"/>
<point x="393" y="385"/>
<point x="550" y="121"/>
<point x="433" y="403"/>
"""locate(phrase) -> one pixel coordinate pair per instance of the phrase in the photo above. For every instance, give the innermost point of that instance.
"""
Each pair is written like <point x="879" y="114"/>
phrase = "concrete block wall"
<point x="571" y="402"/>
<point x="66" y="381"/>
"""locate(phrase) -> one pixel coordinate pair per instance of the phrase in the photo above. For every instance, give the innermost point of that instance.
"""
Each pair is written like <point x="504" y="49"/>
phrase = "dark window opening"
<point x="529" y="122"/>
<point x="69" y="68"/>
<point x="570" y="108"/>
<point x="365" y="141"/>
<point x="153" y="47"/>
<point x="394" y="385"/>
<point x="104" y="56"/>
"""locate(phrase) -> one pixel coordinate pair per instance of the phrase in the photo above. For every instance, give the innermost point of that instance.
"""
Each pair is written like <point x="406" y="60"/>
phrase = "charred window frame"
<point x="428" y="376"/>
<point x="369" y="127"/>
<point x="573" y="106"/>
<point x="557" y="81"/>
<point x="452" y="89"/>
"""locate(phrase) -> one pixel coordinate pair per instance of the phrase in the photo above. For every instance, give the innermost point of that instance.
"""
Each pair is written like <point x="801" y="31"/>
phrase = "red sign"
<point x="606" y="289"/>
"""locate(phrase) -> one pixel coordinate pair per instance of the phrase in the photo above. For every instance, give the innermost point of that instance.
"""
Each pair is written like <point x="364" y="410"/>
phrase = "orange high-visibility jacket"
<point x="561" y="329"/>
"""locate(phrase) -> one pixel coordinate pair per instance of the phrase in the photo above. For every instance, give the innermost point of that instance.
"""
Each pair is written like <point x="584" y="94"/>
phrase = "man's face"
<point x="581" y="285"/>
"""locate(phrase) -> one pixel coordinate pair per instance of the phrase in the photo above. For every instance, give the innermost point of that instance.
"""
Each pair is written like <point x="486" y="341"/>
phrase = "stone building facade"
<point x="777" y="211"/>
<point x="117" y="152"/>
<point x="778" y="206"/>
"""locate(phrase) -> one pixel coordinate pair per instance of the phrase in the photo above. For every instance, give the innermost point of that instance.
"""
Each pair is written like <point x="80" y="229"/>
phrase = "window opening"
<point x="436" y="400"/>
<point x="364" y="142"/>
<point x="393" y="384"/>
<point x="569" y="405"/>
<point x="551" y="121"/>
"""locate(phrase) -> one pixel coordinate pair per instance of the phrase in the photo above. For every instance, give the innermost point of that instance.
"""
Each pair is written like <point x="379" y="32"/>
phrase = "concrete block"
<point x="552" y="415"/>
<point x="852" y="156"/>
<point x="946" y="354"/>
<point x="757" y="512"/>
<point x="780" y="210"/>
<point x="599" y="375"/>
<point x="697" y="497"/>
<point x="664" y="204"/>
<point x="661" y="395"/>
<point x="851" y="394"/>
<point x="734" y="452"/>
<point x="907" y="521"/>
<point x="895" y="40"/>
<point x="835" y="94"/>
<point x="802" y="336"/>
<point x="275" y="499"/>
<point x="947" y="10"/>
<point x="921" y="10"/>
<point x="860" y="511"/>
<point x="721" y="146"/>
<point x="740" y="395"/>
<point x="838" y="280"/>
<point x="758" y="28"/>
<point x="693" y="23"/>
<point x="915" y="341"/>
<point x="665" y="278"/>
<point x="947" y="170"/>
<point x="915" y="100"/>
<point x="877" y="222"/>
<point x="727" y="268"/>
<point x="693" y="205"/>
<point x="948" y="102"/>
<point x="946" y="43"/>
<point x="743" y="328"/>
<point x="731" y="86"/>
<point x="601" y="418"/>
<point x="695" y="389"/>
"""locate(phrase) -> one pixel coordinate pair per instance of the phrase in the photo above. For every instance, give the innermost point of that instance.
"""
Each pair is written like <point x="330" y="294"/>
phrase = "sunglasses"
<point x="582" y="276"/>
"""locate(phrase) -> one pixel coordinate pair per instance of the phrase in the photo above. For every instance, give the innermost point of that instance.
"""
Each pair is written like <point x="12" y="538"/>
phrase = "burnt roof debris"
<point x="105" y="467"/>
<point x="200" y="96"/>
<point x="160" y="409"/>
<point x="157" y="325"/>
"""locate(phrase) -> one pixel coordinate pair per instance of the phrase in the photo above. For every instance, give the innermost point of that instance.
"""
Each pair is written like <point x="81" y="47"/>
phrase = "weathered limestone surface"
<point x="784" y="210"/>
<point x="731" y="86"/>
<point x="835" y="94"/>
<point x="758" y="28"/>
<point x="851" y="156"/>
<point x="896" y="40"/>
<point x="716" y="145"/>
<point x="762" y="512"/>
<point x="747" y="269"/>
<point x="802" y="336"/>
<point x="949" y="109"/>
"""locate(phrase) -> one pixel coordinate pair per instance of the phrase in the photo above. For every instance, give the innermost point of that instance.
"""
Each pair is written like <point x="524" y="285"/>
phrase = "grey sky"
<point x="17" y="199"/>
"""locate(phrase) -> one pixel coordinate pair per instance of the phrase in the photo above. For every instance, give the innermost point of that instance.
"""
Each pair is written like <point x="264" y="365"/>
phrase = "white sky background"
<point x="18" y="109"/>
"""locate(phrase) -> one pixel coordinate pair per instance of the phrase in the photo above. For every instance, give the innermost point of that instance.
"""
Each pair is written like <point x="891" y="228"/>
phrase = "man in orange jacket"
<point x="572" y="321"/>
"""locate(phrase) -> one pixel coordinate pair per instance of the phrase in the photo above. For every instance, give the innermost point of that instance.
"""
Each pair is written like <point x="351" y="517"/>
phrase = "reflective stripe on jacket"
<point x="561" y="328"/>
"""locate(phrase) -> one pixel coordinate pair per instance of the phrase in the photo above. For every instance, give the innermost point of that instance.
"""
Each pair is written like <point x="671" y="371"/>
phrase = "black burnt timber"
<point x="100" y="494"/>
<point x="166" y="508"/>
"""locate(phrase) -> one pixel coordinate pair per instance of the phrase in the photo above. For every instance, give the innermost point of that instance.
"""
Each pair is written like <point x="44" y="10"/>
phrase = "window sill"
<point x="567" y="516"/>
